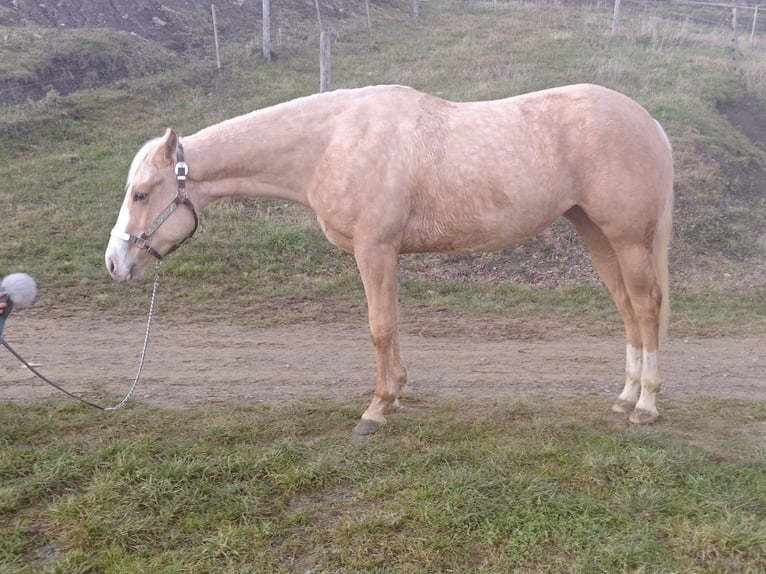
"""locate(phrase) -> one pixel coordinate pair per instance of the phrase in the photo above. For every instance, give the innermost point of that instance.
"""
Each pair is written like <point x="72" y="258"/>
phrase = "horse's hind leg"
<point x="378" y="266"/>
<point x="608" y="268"/>
<point x="637" y="264"/>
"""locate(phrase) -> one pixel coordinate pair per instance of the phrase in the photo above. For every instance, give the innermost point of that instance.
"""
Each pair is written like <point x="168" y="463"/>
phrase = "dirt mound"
<point x="745" y="182"/>
<point x="746" y="116"/>
<point x="173" y="23"/>
<point x="176" y="24"/>
<point x="98" y="42"/>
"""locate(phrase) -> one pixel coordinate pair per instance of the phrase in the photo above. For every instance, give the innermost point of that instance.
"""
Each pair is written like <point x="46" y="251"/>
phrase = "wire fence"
<point x="737" y="26"/>
<point x="751" y="16"/>
<point x="740" y="25"/>
<point x="748" y="20"/>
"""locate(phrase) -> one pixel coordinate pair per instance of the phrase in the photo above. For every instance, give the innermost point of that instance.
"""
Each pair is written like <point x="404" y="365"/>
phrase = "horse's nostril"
<point x="110" y="265"/>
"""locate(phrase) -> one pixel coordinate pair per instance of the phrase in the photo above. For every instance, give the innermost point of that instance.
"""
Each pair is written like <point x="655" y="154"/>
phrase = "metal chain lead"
<point x="124" y="401"/>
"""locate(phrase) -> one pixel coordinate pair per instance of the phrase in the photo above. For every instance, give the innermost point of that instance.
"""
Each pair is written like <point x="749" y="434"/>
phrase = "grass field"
<point x="534" y="485"/>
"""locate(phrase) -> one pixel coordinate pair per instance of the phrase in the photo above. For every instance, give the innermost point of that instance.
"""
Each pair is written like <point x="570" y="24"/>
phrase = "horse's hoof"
<point x="643" y="417"/>
<point x="622" y="406"/>
<point x="366" y="426"/>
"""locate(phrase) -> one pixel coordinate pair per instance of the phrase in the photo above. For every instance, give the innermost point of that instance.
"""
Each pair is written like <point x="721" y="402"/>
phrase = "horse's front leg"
<point x="378" y="266"/>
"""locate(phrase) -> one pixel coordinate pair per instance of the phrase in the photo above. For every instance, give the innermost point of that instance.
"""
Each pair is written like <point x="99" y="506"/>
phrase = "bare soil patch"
<point x="192" y="364"/>
<point x="178" y="24"/>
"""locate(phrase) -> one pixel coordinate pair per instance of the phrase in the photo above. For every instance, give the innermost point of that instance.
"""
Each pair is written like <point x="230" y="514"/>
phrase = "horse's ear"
<point x="166" y="151"/>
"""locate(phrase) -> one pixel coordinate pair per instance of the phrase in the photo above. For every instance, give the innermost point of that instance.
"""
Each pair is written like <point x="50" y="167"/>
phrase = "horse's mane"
<point x="298" y="105"/>
<point x="147" y="148"/>
<point x="303" y="103"/>
<point x="255" y="115"/>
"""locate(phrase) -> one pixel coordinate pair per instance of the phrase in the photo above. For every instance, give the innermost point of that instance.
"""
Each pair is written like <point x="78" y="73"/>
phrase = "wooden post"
<point x="267" y="30"/>
<point x="616" y="17"/>
<point x="755" y="24"/>
<point x="415" y="11"/>
<point x="319" y="15"/>
<point x="325" y="62"/>
<point x="215" y="36"/>
<point x="369" y="22"/>
<point x="734" y="42"/>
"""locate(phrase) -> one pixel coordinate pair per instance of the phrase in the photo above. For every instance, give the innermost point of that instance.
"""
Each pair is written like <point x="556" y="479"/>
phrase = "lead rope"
<point x="124" y="401"/>
<point x="156" y="283"/>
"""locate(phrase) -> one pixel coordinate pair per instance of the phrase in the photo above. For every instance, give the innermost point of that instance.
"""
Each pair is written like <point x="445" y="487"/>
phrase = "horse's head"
<point x="149" y="225"/>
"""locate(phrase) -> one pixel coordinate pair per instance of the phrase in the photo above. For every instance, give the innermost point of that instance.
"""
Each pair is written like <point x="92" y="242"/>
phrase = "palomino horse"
<point x="390" y="170"/>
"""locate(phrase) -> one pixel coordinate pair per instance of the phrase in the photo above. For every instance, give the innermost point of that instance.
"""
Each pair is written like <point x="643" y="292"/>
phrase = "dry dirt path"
<point x="193" y="365"/>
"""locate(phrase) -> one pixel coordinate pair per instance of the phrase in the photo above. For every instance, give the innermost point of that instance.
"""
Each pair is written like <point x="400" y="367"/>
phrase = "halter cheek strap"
<point x="181" y="198"/>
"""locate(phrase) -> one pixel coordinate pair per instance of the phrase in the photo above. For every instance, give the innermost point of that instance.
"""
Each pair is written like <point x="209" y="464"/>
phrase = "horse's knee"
<point x="381" y="338"/>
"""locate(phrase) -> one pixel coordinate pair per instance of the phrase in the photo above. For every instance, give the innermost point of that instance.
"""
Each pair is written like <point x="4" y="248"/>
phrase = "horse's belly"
<point x="463" y="234"/>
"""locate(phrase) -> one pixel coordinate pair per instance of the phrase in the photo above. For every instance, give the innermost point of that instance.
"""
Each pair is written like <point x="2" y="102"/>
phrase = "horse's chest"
<point x="337" y="236"/>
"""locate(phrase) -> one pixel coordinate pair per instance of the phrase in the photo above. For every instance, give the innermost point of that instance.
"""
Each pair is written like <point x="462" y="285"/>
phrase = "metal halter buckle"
<point x="181" y="170"/>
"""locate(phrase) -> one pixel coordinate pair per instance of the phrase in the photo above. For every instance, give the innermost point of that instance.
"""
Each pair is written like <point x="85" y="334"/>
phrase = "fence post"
<point x="215" y="36"/>
<point x="755" y="24"/>
<point x="415" y="11"/>
<point x="616" y="17"/>
<point x="369" y="22"/>
<point x="267" y="30"/>
<point x="734" y="42"/>
<point x="325" y="62"/>
<point x="319" y="15"/>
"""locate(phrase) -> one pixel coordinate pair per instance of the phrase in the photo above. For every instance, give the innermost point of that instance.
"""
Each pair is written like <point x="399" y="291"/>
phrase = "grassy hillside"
<point x="64" y="156"/>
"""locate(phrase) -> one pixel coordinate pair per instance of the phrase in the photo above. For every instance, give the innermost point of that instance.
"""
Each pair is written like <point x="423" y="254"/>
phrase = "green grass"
<point x="535" y="486"/>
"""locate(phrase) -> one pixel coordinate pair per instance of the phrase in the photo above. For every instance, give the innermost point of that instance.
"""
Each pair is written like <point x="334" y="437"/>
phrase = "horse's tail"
<point x="662" y="236"/>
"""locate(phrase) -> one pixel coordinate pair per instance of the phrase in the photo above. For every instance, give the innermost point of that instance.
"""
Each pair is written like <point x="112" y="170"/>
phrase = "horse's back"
<point x="491" y="174"/>
<point x="449" y="176"/>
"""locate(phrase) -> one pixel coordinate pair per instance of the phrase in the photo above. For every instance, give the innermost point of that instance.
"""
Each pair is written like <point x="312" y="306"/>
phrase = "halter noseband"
<point x="181" y="198"/>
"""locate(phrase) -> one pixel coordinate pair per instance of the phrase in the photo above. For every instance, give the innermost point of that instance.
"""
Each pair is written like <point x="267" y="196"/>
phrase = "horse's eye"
<point x="139" y="197"/>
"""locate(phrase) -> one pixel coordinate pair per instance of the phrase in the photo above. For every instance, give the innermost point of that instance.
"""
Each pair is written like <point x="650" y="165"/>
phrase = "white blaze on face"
<point x="117" y="248"/>
<point x="120" y="229"/>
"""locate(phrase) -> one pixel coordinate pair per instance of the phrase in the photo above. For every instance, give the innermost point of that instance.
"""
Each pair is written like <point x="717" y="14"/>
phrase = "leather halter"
<point x="181" y="198"/>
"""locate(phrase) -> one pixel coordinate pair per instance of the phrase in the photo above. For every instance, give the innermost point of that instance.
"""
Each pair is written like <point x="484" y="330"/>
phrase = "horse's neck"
<point x="270" y="153"/>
